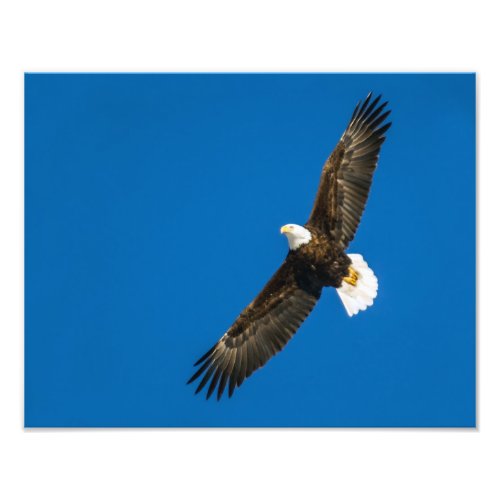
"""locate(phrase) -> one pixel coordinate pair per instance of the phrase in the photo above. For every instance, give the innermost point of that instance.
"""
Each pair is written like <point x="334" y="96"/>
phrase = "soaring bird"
<point x="316" y="259"/>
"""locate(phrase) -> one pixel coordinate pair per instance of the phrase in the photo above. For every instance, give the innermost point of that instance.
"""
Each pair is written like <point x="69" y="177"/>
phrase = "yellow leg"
<point x="352" y="279"/>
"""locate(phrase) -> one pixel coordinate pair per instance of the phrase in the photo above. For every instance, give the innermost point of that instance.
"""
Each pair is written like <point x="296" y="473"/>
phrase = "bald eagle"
<point x="316" y="259"/>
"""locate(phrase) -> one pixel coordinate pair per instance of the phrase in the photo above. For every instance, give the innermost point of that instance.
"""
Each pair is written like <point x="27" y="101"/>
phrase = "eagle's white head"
<point x="297" y="235"/>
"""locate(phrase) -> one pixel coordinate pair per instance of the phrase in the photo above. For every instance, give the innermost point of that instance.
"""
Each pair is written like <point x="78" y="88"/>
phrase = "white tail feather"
<point x="359" y="296"/>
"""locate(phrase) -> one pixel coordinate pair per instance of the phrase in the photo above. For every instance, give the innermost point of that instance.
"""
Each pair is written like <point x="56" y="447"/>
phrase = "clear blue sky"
<point x="153" y="208"/>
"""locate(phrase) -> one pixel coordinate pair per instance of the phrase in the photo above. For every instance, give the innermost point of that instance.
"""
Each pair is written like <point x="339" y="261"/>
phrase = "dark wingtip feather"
<point x="371" y="107"/>
<point x="205" y="356"/>
<point x="364" y="106"/>
<point x="384" y="129"/>
<point x="205" y="379"/>
<point x="371" y="114"/>
<point x="366" y="110"/>
<point x="213" y="384"/>
<point x="378" y="121"/>
<point x="200" y="371"/>
<point x="222" y="384"/>
<point x="354" y="114"/>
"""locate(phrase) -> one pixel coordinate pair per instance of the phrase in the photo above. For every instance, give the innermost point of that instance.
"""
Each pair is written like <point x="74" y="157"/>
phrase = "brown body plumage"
<point x="273" y="317"/>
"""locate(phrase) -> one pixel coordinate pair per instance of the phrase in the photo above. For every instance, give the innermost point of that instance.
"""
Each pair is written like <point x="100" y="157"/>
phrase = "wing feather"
<point x="347" y="174"/>
<point x="261" y="331"/>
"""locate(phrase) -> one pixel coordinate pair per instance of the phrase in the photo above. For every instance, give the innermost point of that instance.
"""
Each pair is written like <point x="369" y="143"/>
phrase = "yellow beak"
<point x="284" y="229"/>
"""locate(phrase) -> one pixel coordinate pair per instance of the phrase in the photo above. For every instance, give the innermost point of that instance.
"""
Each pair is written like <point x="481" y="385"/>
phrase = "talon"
<point x="352" y="279"/>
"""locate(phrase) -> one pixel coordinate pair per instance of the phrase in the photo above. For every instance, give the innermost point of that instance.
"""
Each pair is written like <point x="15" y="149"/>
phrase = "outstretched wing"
<point x="347" y="174"/>
<point x="260" y="331"/>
